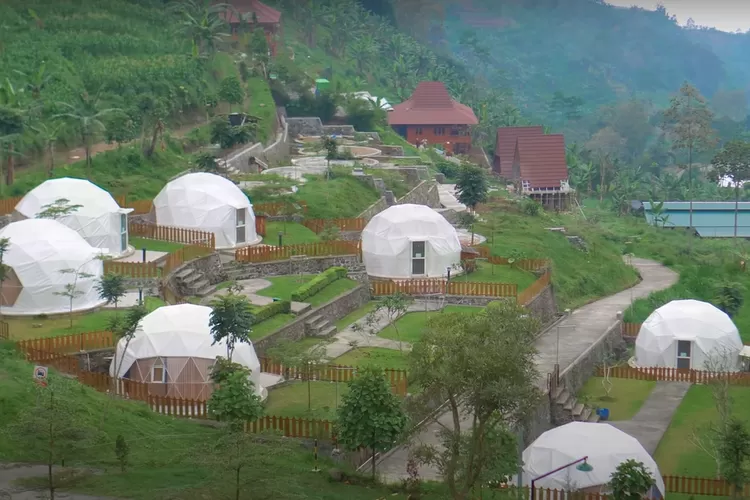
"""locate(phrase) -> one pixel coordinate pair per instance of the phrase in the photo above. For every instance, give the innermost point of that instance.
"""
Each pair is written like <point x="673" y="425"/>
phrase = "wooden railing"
<point x="280" y="208"/>
<point x="319" y="225"/>
<point x="701" y="486"/>
<point x="441" y="286"/>
<point x="676" y="375"/>
<point x="140" y="207"/>
<point x="293" y="427"/>
<point x="179" y="257"/>
<point x="69" y="343"/>
<point x="4" y="330"/>
<point x="322" y="249"/>
<point x="630" y="329"/>
<point x="528" y="294"/>
<point x="132" y="269"/>
<point x="7" y="205"/>
<point x="173" y="234"/>
<point x="260" y="225"/>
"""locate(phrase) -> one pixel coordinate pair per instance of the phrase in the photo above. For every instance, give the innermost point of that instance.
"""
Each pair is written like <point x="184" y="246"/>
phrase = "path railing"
<point x="319" y="225"/>
<point x="527" y="295"/>
<point x="442" y="286"/>
<point x="322" y="249"/>
<point x="173" y="234"/>
<point x="676" y="375"/>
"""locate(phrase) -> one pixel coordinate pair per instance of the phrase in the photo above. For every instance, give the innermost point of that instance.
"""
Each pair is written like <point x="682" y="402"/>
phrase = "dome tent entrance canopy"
<point x="689" y="334"/>
<point x="406" y="241"/>
<point x="43" y="258"/>
<point x="605" y="446"/>
<point x="173" y="346"/>
<point x="208" y="202"/>
<point x="98" y="219"/>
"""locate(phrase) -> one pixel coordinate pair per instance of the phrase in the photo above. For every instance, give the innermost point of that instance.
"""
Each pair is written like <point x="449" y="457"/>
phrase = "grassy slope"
<point x="293" y="234"/>
<point x="410" y="326"/>
<point x="167" y="456"/>
<point x="625" y="399"/>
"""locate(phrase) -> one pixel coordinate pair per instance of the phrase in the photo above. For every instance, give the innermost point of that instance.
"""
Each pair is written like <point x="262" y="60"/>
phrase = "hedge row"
<point x="271" y="310"/>
<point x="318" y="283"/>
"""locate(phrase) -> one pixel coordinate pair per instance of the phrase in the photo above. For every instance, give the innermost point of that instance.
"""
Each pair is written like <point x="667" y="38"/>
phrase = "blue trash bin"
<point x="603" y="413"/>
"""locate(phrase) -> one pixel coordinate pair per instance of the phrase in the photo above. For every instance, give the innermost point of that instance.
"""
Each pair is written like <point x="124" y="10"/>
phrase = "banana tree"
<point x="48" y="134"/>
<point x="12" y="125"/>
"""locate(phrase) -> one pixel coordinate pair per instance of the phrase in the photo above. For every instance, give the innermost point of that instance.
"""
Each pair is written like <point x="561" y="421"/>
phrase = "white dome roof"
<point x="606" y="446"/>
<point x="387" y="242"/>
<point x="97" y="220"/>
<point x="181" y="331"/>
<point x="39" y="250"/>
<point x="711" y="332"/>
<point x="206" y="202"/>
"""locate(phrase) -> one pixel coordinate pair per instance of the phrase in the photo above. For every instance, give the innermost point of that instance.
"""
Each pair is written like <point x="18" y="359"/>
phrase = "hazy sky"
<point x="726" y="15"/>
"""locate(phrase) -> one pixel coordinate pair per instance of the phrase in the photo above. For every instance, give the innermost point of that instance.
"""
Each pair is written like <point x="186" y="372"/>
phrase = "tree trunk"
<point x="237" y="484"/>
<point x="50" y="159"/>
<point x="602" y="174"/>
<point x="88" y="160"/>
<point x="154" y="138"/>
<point x="10" y="173"/>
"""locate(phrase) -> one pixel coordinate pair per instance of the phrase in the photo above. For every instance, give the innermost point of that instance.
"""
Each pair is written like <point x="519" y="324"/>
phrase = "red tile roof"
<point x="265" y="14"/>
<point x="430" y="104"/>
<point x="541" y="159"/>
<point x="505" y="147"/>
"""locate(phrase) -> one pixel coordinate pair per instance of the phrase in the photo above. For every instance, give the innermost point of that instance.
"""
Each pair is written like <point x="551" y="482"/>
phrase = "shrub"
<point x="271" y="310"/>
<point x="318" y="283"/>
<point x="531" y="207"/>
<point x="447" y="168"/>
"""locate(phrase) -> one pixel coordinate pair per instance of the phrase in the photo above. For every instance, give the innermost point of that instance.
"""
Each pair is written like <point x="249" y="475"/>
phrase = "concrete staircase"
<point x="318" y="326"/>
<point x="194" y="282"/>
<point x="568" y="409"/>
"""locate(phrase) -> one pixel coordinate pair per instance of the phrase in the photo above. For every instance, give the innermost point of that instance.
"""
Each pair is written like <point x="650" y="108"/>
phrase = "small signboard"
<point x="40" y="373"/>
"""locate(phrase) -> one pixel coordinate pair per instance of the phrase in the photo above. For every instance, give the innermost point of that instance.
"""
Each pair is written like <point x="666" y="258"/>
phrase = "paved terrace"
<point x="582" y="328"/>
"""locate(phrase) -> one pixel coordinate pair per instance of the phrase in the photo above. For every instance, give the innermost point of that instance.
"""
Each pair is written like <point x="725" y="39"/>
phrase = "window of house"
<point x="439" y="131"/>
<point x="240" y="225"/>
<point x="418" y="258"/>
<point x="159" y="372"/>
<point x="455" y="131"/>
<point x="418" y="131"/>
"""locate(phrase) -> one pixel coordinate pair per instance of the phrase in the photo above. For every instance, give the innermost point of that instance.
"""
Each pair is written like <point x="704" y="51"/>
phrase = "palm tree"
<point x="362" y="52"/>
<point x="85" y="115"/>
<point x="36" y="81"/>
<point x="48" y="134"/>
<point x="205" y="23"/>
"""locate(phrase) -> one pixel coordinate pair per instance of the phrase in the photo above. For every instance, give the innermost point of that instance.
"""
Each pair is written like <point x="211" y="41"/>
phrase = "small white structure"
<point x="173" y="351"/>
<point x="688" y="334"/>
<point x="409" y="241"/>
<point x="605" y="446"/>
<point x="40" y="249"/>
<point x="99" y="219"/>
<point x="208" y="202"/>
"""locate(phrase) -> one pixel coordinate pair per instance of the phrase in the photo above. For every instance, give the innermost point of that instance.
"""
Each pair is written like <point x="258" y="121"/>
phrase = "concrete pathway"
<point x="447" y="194"/>
<point x="9" y="473"/>
<point x="578" y="331"/>
<point x="349" y="338"/>
<point x="652" y="420"/>
<point x="137" y="256"/>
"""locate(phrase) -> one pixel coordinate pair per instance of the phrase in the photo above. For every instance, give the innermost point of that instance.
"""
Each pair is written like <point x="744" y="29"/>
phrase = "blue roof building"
<point x="711" y="219"/>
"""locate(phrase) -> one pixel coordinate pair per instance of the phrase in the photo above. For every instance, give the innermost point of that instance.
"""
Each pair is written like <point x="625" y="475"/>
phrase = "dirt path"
<point x="9" y="473"/>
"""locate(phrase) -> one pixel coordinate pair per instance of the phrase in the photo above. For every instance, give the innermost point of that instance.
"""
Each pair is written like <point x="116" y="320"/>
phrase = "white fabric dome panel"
<point x="207" y="202"/>
<point x="387" y="242"/>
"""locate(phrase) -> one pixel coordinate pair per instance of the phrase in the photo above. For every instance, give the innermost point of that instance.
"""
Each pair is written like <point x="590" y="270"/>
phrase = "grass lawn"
<point x="356" y="315"/>
<point x="34" y="327"/>
<point x="676" y="454"/>
<point x="154" y="245"/>
<point x="169" y="458"/>
<point x="294" y="234"/>
<point x="378" y="356"/>
<point x="265" y="328"/>
<point x="487" y="273"/>
<point x="411" y="325"/>
<point x="291" y="400"/>
<point x="283" y="286"/>
<point x="625" y="399"/>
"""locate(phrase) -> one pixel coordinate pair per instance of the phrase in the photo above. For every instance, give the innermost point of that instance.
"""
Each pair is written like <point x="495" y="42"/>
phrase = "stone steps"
<point x="318" y="326"/>
<point x="569" y="409"/>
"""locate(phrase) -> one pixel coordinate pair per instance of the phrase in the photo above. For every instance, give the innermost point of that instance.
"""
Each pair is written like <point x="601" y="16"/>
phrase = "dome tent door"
<point x="240" y="225"/>
<point x="684" y="354"/>
<point x="418" y="258"/>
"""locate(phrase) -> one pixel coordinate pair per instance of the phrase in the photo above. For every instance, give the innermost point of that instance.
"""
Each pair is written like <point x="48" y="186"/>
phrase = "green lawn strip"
<point x="356" y="315"/>
<point x="676" y="454"/>
<point x="168" y="456"/>
<point x="291" y="400"/>
<point x="378" y="356"/>
<point x="332" y="291"/>
<point x="293" y="234"/>
<point x="488" y="273"/>
<point x="267" y="327"/>
<point x="625" y="399"/>
<point x="283" y="286"/>
<point x="154" y="245"/>
<point x="411" y="325"/>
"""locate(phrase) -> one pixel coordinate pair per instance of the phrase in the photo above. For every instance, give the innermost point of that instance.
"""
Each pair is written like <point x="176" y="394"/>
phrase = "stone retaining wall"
<point x="339" y="130"/>
<point x="95" y="360"/>
<point x="311" y="265"/>
<point x="305" y="126"/>
<point x="374" y="209"/>
<point x="544" y="305"/>
<point x="391" y="150"/>
<point x="425" y="193"/>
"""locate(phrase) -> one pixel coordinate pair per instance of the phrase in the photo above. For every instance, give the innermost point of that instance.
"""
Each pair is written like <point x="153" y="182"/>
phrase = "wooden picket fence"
<point x="443" y="287"/>
<point x="4" y="330"/>
<point x="69" y="343"/>
<point x="676" y="375"/>
<point x="319" y="225"/>
<point x="322" y="249"/>
<point x="279" y="208"/>
<point x="185" y="254"/>
<point x="527" y="295"/>
<point x="173" y="234"/>
<point x="701" y="486"/>
<point x="132" y="269"/>
<point x="630" y="329"/>
<point x="293" y="427"/>
<point x="260" y="225"/>
<point x="9" y="204"/>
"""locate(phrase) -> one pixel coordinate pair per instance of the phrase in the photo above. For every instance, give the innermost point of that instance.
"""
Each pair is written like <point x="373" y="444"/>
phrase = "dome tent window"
<point x="417" y="258"/>
<point x="240" y="225"/>
<point x="684" y="348"/>
<point x="123" y="232"/>
<point x="159" y="372"/>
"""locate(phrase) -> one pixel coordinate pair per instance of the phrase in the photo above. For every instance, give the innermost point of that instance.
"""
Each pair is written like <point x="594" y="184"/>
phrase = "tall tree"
<point x="483" y="365"/>
<point x="472" y="186"/>
<point x="607" y="146"/>
<point x="70" y="290"/>
<point x="231" y="320"/>
<point x="230" y="91"/>
<point x="204" y="22"/>
<point x="48" y="133"/>
<point x="734" y="454"/>
<point x="111" y="287"/>
<point x="733" y="163"/>
<point x="688" y="120"/>
<point x="370" y="414"/>
<point x="85" y="114"/>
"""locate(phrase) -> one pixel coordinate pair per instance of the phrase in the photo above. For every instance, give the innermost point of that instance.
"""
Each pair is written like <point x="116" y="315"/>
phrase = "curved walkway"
<point x="582" y="328"/>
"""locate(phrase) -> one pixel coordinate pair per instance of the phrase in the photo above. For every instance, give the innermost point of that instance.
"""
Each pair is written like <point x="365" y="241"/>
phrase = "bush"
<point x="318" y="283"/>
<point x="271" y="310"/>
<point x="531" y="207"/>
<point x="447" y="168"/>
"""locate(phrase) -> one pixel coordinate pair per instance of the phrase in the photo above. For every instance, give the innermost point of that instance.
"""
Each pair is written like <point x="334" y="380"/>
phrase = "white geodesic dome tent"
<point x="409" y="241"/>
<point x="39" y="250"/>
<point x="173" y="351"/>
<point x="689" y="334"/>
<point x="210" y="203"/>
<point x="99" y="219"/>
<point x="605" y="446"/>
